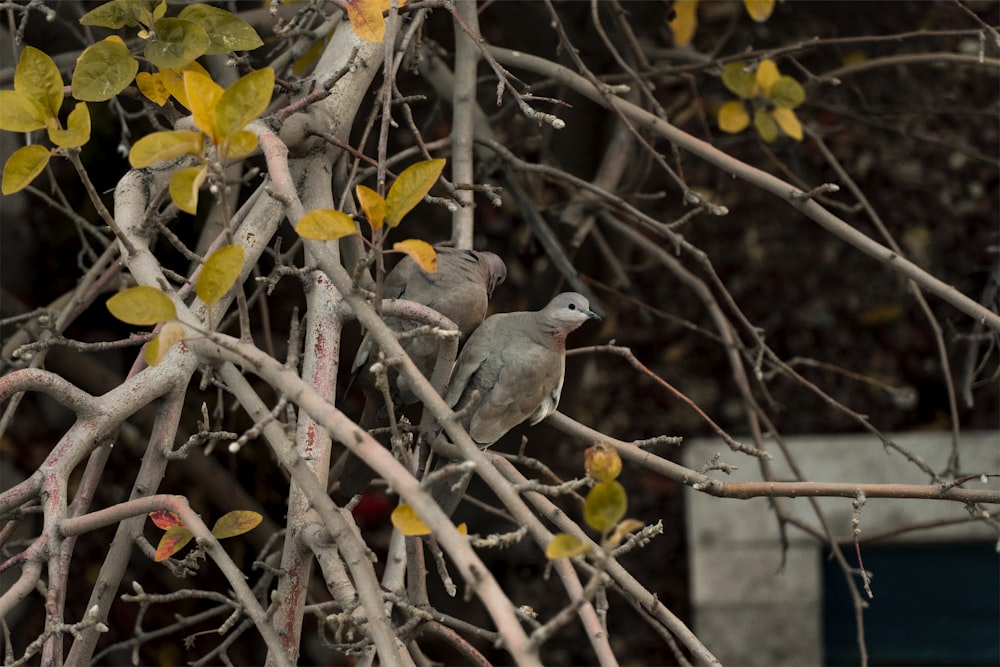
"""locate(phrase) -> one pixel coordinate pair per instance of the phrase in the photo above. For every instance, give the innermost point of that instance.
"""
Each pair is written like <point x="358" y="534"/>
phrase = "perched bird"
<point x="460" y="290"/>
<point x="516" y="362"/>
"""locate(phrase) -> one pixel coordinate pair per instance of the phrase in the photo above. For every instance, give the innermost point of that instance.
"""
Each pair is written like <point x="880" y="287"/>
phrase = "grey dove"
<point x="517" y="363"/>
<point x="460" y="290"/>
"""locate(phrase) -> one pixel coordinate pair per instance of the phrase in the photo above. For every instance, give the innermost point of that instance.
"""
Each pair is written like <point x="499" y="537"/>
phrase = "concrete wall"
<point x="747" y="610"/>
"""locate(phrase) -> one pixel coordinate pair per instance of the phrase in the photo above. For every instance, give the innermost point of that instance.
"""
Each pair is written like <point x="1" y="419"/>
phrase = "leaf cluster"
<point x="176" y="534"/>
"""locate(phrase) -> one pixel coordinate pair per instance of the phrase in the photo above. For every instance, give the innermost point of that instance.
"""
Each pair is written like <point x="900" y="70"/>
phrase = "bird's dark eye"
<point x="572" y="306"/>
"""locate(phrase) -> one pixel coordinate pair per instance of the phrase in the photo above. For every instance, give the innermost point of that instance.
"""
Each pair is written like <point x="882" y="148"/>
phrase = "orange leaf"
<point x="172" y="541"/>
<point x="163" y="519"/>
<point x="408" y="522"/>
<point x="366" y="19"/>
<point x="421" y="252"/>
<point x="372" y="204"/>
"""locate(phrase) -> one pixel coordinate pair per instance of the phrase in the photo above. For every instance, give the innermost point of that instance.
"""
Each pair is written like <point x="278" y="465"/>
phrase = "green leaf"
<point x="116" y="14"/>
<point x="177" y="43"/>
<point x="408" y="522"/>
<point x="787" y="92"/>
<point x="243" y="101"/>
<point x="184" y="187"/>
<point x="142" y="305"/>
<point x="605" y="506"/>
<point x="77" y="131"/>
<point x="225" y="31"/>
<point x="373" y="204"/>
<point x="103" y="70"/>
<point x="172" y="541"/>
<point x="410" y="188"/>
<point x="23" y="166"/>
<point x="325" y="225"/>
<point x="421" y="252"/>
<point x="738" y="80"/>
<point x="160" y="146"/>
<point x="766" y="127"/>
<point x="564" y="545"/>
<point x="38" y="77"/>
<point x="156" y="349"/>
<point x="220" y="271"/>
<point x="236" y="523"/>
<point x="20" y="113"/>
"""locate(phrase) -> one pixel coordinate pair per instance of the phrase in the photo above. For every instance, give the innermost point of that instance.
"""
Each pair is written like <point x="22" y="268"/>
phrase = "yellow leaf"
<point x="421" y="252"/>
<point x="220" y="271"/>
<point x="410" y="188"/>
<point x="20" y="113"/>
<point x="623" y="529"/>
<point x="156" y="349"/>
<point x="173" y="81"/>
<point x="325" y="225"/>
<point x="202" y="96"/>
<point x="788" y="122"/>
<point x="38" y="77"/>
<point x="733" y="117"/>
<point x="77" y="131"/>
<point x="184" y="186"/>
<point x="240" y="145"/>
<point x="605" y="506"/>
<point x="767" y="74"/>
<point x="767" y="128"/>
<point x="372" y="204"/>
<point x="152" y="86"/>
<point x="243" y="101"/>
<point x="172" y="541"/>
<point x="160" y="146"/>
<point x="366" y="19"/>
<point x="142" y="305"/>
<point x="759" y="10"/>
<point x="602" y="462"/>
<point x="23" y="166"/>
<point x="236" y="523"/>
<point x="880" y="315"/>
<point x="564" y="545"/>
<point x="406" y="521"/>
<point x="685" y="21"/>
